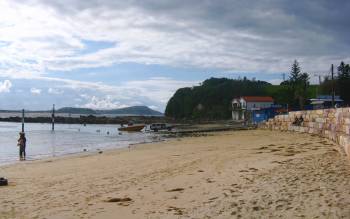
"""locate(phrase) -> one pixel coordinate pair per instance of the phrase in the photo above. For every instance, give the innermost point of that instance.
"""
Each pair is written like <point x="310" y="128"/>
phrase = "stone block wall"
<point x="333" y="124"/>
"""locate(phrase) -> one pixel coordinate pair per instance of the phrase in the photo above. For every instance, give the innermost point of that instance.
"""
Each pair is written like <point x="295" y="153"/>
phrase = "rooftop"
<point x="258" y="99"/>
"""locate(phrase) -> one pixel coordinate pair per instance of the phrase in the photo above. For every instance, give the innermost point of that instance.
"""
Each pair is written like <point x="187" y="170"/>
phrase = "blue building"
<point x="243" y="106"/>
<point x="254" y="109"/>
<point x="262" y="115"/>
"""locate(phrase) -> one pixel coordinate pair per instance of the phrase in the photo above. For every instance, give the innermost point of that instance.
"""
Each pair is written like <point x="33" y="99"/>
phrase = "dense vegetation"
<point x="295" y="91"/>
<point x="340" y="83"/>
<point x="212" y="99"/>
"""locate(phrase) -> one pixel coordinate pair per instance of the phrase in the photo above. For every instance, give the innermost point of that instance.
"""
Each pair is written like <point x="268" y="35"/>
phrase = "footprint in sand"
<point x="121" y="201"/>
<point x="176" y="190"/>
<point x="243" y="171"/>
<point x="210" y="180"/>
<point x="279" y="207"/>
<point x="262" y="148"/>
<point x="256" y="208"/>
<point x="176" y="210"/>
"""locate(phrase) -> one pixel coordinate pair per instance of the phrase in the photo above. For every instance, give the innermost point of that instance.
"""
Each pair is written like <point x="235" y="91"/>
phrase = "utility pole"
<point x="333" y="91"/>
<point x="23" y="120"/>
<point x="319" y="83"/>
<point x="284" y="76"/>
<point x="53" y="118"/>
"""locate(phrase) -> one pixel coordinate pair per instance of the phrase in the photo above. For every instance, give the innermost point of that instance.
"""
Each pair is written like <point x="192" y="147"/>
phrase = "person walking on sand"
<point x="22" y="146"/>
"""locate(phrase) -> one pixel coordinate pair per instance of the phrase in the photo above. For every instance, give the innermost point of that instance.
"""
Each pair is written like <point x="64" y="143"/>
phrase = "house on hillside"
<point x="249" y="105"/>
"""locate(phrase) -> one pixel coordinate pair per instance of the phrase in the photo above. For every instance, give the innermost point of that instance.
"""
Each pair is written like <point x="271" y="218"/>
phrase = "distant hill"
<point x="133" y="110"/>
<point x="127" y="111"/>
<point x="74" y="110"/>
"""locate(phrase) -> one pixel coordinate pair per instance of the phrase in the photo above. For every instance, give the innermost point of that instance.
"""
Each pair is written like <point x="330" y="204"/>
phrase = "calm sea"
<point x="66" y="139"/>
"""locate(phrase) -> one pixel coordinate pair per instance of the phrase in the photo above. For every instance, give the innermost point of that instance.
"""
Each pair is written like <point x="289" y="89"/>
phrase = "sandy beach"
<point x="241" y="174"/>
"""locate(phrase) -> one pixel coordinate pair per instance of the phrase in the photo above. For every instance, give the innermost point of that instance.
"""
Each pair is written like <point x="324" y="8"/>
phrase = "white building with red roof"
<point x="242" y="105"/>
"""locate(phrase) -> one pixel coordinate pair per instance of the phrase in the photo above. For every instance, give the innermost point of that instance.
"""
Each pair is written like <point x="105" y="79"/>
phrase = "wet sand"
<point x="242" y="174"/>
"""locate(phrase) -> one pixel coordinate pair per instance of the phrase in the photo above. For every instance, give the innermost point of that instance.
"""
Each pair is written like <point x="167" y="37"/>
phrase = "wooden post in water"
<point x="53" y="118"/>
<point x="23" y="120"/>
<point x="333" y="90"/>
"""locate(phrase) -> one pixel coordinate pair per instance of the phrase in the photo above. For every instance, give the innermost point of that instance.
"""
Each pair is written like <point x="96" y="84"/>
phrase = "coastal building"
<point x="246" y="106"/>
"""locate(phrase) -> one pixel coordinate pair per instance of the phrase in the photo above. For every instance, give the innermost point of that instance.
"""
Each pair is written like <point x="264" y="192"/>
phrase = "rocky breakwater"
<point x="333" y="124"/>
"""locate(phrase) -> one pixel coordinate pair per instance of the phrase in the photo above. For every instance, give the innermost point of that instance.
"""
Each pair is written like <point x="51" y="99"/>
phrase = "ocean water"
<point x="66" y="139"/>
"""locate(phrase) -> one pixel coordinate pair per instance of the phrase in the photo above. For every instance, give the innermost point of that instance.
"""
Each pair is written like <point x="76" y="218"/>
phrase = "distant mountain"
<point x="133" y="110"/>
<point x="127" y="111"/>
<point x="74" y="110"/>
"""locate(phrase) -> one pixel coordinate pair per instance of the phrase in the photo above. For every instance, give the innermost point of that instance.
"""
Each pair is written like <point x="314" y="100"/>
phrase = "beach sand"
<point x="242" y="174"/>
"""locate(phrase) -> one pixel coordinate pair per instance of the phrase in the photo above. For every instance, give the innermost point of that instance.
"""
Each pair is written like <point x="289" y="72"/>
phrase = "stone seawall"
<point x="333" y="124"/>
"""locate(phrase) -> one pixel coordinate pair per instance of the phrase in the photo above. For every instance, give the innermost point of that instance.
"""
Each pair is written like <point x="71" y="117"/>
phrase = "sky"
<point x="106" y="54"/>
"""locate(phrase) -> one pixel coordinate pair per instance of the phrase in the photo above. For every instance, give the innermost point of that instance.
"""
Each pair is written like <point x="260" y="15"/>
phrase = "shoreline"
<point x="83" y="153"/>
<point x="65" y="140"/>
<point x="251" y="173"/>
<point x="160" y="137"/>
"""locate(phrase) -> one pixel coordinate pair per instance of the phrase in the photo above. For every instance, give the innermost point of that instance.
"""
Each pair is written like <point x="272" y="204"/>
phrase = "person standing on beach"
<point x="22" y="146"/>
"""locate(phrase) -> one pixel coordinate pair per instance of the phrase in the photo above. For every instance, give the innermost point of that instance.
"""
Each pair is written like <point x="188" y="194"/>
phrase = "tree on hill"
<point x="297" y="86"/>
<point x="295" y="71"/>
<point x="341" y="83"/>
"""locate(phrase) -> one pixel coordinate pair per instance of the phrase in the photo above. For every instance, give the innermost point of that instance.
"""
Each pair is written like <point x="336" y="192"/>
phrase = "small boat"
<point x="131" y="128"/>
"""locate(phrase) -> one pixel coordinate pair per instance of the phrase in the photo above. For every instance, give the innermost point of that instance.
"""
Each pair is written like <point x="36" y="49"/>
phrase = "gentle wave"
<point x="66" y="139"/>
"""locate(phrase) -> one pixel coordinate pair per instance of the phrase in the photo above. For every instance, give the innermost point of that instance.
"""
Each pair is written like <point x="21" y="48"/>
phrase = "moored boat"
<point x="132" y="128"/>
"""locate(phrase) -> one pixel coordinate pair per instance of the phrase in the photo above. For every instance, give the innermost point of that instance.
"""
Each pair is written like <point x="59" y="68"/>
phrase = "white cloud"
<point x="106" y="102"/>
<point x="39" y="36"/>
<point x="157" y="88"/>
<point x="151" y="92"/>
<point x="55" y="91"/>
<point x="5" y="86"/>
<point x="35" y="91"/>
<point x="155" y="91"/>
<point x="153" y="107"/>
